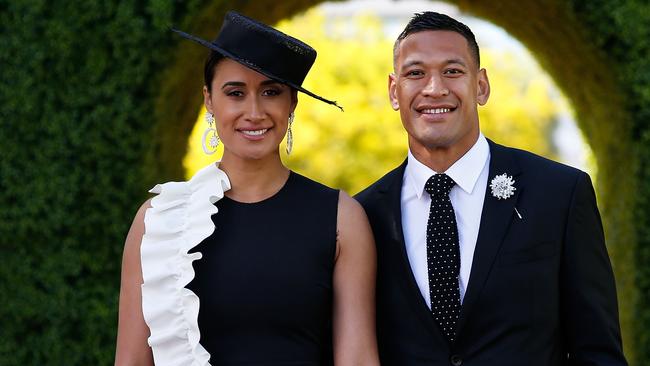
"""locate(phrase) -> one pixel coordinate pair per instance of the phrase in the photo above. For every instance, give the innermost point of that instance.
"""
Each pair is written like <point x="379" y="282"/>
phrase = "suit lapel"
<point x="391" y="193"/>
<point x="495" y="220"/>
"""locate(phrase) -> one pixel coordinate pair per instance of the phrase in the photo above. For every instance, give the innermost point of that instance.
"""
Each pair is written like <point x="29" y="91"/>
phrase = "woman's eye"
<point x="235" y="93"/>
<point x="271" y="92"/>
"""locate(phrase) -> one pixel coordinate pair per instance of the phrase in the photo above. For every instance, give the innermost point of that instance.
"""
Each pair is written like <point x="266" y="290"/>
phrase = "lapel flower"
<point x="502" y="186"/>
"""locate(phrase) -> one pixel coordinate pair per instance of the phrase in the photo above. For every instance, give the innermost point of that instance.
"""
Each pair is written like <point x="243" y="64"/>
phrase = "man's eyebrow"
<point x="411" y="63"/>
<point x="447" y="62"/>
<point x="456" y="61"/>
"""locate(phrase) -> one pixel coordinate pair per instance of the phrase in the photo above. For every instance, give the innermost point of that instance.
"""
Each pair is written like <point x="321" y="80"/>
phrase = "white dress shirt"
<point x="470" y="173"/>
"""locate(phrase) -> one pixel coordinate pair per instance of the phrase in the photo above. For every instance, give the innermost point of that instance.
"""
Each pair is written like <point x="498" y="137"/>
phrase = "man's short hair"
<point x="432" y="21"/>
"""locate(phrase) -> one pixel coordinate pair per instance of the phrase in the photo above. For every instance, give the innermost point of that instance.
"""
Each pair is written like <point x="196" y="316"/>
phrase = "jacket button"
<point x="456" y="360"/>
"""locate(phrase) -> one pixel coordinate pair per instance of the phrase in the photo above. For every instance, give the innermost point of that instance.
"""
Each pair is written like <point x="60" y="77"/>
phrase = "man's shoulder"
<point x="369" y="194"/>
<point x="538" y="165"/>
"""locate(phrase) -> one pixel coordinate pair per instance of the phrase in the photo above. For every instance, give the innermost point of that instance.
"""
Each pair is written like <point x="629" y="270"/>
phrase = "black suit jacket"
<point x="541" y="289"/>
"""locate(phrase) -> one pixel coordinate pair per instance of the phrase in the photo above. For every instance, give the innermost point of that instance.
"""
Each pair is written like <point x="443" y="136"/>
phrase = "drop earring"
<point x="213" y="141"/>
<point x="290" y="135"/>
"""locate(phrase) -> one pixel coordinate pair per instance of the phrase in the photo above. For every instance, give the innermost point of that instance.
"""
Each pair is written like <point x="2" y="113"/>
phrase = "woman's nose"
<point x="255" y="109"/>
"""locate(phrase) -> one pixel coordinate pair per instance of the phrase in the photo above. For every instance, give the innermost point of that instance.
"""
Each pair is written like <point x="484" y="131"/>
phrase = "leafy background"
<point x="98" y="100"/>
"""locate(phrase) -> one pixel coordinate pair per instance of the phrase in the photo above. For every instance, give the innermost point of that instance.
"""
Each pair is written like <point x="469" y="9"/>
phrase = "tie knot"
<point x="439" y="185"/>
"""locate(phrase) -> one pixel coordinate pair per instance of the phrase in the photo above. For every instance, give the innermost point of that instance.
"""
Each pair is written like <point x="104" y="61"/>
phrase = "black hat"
<point x="263" y="49"/>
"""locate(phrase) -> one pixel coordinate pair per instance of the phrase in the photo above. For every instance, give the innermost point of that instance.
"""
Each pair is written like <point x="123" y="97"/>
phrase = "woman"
<point x="284" y="266"/>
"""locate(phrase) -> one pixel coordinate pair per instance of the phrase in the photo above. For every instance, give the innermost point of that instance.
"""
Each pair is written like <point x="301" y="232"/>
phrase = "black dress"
<point x="265" y="279"/>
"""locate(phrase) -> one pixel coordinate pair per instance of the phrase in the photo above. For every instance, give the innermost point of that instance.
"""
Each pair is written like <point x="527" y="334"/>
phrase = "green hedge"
<point x="86" y="129"/>
<point x="621" y="32"/>
<point x="98" y="98"/>
<point x="78" y="80"/>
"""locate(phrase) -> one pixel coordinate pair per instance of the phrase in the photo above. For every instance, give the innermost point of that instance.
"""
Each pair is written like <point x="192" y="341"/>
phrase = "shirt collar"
<point x="465" y="171"/>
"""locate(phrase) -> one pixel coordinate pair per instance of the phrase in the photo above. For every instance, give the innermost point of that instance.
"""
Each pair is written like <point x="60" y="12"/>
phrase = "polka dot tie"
<point x="443" y="255"/>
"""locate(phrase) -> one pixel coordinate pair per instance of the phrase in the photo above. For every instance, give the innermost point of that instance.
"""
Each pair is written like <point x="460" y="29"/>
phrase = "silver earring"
<point x="213" y="142"/>
<point x="290" y="135"/>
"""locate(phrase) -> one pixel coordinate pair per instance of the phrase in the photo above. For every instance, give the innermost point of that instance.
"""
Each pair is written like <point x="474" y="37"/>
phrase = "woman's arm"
<point x="355" y="342"/>
<point x="132" y="331"/>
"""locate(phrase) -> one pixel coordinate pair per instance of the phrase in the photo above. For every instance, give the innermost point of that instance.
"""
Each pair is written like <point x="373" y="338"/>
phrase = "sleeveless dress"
<point x="262" y="276"/>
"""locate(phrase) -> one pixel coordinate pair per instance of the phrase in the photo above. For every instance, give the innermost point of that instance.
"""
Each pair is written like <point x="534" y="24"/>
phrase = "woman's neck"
<point x="254" y="180"/>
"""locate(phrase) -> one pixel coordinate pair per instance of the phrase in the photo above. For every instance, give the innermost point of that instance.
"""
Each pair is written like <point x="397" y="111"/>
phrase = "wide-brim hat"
<point x="264" y="49"/>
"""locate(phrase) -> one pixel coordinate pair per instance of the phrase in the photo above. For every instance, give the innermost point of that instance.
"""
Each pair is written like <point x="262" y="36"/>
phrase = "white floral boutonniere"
<point x="502" y="186"/>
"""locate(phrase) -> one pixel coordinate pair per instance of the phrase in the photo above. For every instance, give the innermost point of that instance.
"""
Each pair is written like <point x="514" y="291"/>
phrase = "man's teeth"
<point x="436" y="110"/>
<point x="254" y="132"/>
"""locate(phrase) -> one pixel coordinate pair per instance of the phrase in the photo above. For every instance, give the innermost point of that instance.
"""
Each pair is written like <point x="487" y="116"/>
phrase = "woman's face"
<point x="251" y="111"/>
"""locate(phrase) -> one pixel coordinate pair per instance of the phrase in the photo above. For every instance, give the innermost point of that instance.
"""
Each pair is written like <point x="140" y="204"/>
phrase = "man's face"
<point x="436" y="87"/>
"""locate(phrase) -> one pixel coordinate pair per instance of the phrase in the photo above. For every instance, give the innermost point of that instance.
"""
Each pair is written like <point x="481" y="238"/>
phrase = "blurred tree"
<point x="350" y="150"/>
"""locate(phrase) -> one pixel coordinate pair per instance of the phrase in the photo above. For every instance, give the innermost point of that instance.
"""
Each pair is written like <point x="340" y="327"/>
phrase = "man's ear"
<point x="392" y="91"/>
<point x="483" y="87"/>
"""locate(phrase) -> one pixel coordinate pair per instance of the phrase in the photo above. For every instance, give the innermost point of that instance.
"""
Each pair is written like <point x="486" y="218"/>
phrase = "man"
<point x="487" y="255"/>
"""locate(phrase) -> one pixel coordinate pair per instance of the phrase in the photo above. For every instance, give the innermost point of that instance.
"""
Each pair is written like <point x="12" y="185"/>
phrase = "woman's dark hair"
<point x="208" y="69"/>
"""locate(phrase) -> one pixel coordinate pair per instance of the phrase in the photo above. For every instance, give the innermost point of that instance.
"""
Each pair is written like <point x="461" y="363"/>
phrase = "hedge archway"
<point x="98" y="99"/>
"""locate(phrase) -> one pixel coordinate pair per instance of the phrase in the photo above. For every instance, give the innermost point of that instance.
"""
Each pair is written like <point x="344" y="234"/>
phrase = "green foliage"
<point x="77" y="91"/>
<point x="642" y="254"/>
<point x="98" y="99"/>
<point x="92" y="94"/>
<point x="621" y="30"/>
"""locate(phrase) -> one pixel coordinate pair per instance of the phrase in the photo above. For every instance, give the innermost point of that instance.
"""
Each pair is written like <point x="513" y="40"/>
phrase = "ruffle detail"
<point x="180" y="217"/>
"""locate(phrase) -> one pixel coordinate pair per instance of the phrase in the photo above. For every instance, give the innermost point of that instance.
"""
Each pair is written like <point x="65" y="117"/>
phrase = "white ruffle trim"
<point x="179" y="219"/>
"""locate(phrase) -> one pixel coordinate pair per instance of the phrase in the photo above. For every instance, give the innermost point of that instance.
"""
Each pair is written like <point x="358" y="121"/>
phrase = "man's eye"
<point x="414" y="73"/>
<point x="453" y="71"/>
